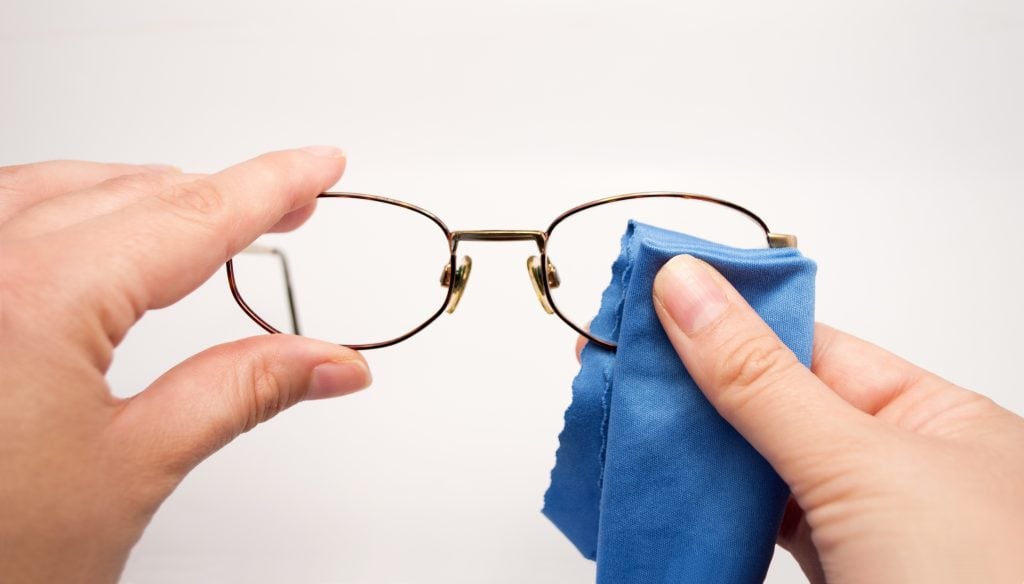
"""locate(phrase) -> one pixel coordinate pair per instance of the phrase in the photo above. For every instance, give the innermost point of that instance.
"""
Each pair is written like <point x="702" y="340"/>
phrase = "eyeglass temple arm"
<point x="263" y="249"/>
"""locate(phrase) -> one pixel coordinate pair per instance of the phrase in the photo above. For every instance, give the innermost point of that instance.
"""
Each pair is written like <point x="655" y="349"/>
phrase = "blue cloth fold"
<point x="649" y="480"/>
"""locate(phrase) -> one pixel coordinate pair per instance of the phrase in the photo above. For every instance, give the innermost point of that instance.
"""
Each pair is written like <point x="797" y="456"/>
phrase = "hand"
<point x="896" y="475"/>
<point x="85" y="250"/>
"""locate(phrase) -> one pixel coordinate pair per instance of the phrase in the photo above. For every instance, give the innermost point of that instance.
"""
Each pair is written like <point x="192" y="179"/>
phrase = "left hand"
<point x="85" y="250"/>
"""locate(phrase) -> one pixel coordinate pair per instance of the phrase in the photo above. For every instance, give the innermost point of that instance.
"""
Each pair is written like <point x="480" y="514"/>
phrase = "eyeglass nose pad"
<point x="533" y="266"/>
<point x="459" y="285"/>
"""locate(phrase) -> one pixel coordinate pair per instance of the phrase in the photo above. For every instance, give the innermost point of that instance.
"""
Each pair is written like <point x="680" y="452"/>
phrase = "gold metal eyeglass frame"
<point x="543" y="273"/>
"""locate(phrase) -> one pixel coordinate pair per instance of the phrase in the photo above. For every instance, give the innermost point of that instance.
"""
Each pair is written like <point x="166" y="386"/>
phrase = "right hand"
<point x="897" y="475"/>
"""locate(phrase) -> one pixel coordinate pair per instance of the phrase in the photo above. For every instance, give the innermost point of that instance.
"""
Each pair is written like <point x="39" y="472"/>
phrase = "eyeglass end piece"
<point x="263" y="249"/>
<point x="777" y="240"/>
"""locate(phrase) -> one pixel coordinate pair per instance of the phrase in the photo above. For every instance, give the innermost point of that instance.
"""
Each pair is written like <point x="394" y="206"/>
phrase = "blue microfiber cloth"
<point x="650" y="481"/>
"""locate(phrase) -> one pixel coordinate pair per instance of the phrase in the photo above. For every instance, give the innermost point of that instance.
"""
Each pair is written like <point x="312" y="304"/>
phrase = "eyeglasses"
<point x="366" y="269"/>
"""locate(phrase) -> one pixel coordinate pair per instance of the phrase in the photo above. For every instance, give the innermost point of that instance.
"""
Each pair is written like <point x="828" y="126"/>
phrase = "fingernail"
<point x="161" y="167"/>
<point x="689" y="293"/>
<point x="334" y="379"/>
<point x="324" y="151"/>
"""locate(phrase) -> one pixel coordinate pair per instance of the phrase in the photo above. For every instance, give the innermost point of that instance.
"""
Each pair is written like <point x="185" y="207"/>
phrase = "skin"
<point x="83" y="472"/>
<point x="897" y="475"/>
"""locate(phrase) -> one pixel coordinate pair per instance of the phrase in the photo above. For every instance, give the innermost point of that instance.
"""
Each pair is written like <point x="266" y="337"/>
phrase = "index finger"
<point x="865" y="375"/>
<point x="160" y="248"/>
<point x="24" y="185"/>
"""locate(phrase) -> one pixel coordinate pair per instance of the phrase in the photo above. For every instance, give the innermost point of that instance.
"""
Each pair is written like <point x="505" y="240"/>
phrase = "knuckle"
<point x="264" y="393"/>
<point x="145" y="182"/>
<point x="289" y="171"/>
<point x="200" y="200"/>
<point x="14" y="178"/>
<point x="272" y="167"/>
<point x="285" y="159"/>
<point x="286" y="162"/>
<point x="752" y="363"/>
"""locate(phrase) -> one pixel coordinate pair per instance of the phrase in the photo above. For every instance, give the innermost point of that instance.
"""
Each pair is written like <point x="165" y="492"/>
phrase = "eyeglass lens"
<point x="365" y="272"/>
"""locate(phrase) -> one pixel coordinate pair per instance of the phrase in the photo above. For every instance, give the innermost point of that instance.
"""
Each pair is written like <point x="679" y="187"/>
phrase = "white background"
<point x="887" y="135"/>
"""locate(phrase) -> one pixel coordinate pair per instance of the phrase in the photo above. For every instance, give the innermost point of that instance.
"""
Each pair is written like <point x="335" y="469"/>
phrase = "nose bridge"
<point x="540" y="280"/>
<point x="539" y="237"/>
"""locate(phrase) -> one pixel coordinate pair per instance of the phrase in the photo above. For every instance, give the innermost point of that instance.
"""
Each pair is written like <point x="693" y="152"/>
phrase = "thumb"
<point x="754" y="381"/>
<point x="205" y="402"/>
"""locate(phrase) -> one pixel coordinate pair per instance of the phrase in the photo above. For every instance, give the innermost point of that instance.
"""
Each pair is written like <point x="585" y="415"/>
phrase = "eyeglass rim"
<point x="625" y="197"/>
<point x="540" y="237"/>
<point x="452" y="264"/>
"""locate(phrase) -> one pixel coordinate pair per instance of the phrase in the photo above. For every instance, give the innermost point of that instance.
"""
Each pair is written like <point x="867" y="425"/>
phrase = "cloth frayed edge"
<point x="627" y="245"/>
